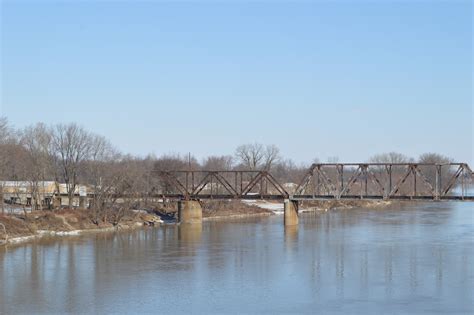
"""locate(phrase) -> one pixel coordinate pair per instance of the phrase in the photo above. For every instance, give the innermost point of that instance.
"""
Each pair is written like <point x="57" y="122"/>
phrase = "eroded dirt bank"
<point x="19" y="228"/>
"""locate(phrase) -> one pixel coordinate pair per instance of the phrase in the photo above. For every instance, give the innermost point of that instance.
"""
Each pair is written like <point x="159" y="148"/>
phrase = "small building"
<point x="42" y="193"/>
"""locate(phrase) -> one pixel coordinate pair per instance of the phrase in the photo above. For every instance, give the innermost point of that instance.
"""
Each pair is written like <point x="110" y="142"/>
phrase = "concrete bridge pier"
<point x="189" y="212"/>
<point x="291" y="212"/>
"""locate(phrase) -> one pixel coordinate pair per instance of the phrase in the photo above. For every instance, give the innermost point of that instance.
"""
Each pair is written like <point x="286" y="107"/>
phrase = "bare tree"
<point x="173" y="162"/>
<point x="131" y="183"/>
<point x="250" y="155"/>
<point x="2" y="199"/>
<point x="390" y="157"/>
<point x="218" y="163"/>
<point x="169" y="162"/>
<point x="71" y="146"/>
<point x="4" y="135"/>
<point x="257" y="156"/>
<point x="101" y="173"/>
<point x="430" y="172"/>
<point x="270" y="156"/>
<point x="286" y="171"/>
<point x="12" y="157"/>
<point x="6" y="140"/>
<point x="37" y="140"/>
<point x="434" y="158"/>
<point x="125" y="182"/>
<point x="5" y="130"/>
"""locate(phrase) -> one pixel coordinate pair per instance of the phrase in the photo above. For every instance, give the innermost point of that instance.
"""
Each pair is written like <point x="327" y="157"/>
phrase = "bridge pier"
<point x="189" y="212"/>
<point x="290" y="212"/>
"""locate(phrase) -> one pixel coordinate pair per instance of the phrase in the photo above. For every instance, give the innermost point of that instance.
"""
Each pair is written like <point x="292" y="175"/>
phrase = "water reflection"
<point x="190" y="233"/>
<point x="416" y="259"/>
<point x="291" y="234"/>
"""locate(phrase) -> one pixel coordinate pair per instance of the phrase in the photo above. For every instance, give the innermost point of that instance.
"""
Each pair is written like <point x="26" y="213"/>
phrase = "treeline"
<point x="70" y="154"/>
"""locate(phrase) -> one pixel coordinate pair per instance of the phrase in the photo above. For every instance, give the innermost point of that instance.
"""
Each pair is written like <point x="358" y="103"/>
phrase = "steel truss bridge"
<point x="326" y="181"/>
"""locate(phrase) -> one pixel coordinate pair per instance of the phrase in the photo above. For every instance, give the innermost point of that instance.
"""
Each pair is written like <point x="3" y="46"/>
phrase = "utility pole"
<point x="1" y="201"/>
<point x="189" y="160"/>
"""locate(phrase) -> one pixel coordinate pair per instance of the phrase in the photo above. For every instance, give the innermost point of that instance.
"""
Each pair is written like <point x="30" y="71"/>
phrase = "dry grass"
<point x="59" y="221"/>
<point x="15" y="226"/>
<point x="332" y="204"/>
<point x="219" y="208"/>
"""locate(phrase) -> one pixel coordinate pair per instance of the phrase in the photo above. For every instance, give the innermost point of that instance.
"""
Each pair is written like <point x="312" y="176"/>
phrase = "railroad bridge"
<point x="322" y="181"/>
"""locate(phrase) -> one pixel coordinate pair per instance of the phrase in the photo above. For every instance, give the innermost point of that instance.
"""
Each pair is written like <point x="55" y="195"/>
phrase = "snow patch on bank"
<point x="20" y="239"/>
<point x="59" y="233"/>
<point x="276" y="208"/>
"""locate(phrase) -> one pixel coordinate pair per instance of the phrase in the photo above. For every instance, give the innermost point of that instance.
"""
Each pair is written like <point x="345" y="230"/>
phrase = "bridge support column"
<point x="291" y="212"/>
<point x="189" y="212"/>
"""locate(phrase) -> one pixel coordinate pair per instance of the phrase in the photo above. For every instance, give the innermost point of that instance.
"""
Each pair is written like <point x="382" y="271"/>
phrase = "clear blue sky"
<point x="318" y="79"/>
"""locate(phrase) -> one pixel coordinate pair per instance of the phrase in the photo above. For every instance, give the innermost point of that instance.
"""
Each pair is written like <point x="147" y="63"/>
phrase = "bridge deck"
<point x="314" y="198"/>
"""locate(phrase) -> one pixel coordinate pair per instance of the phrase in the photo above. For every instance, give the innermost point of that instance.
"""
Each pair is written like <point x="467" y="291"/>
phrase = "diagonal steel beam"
<point x="425" y="180"/>
<point x="276" y="184"/>
<point x="252" y="184"/>
<point x="225" y="183"/>
<point x="453" y="180"/>
<point x="174" y="182"/>
<point x="351" y="181"/>
<point x="375" y="180"/>
<point x="202" y="184"/>
<point x="301" y="188"/>
<point x="399" y="184"/>
<point x="327" y="181"/>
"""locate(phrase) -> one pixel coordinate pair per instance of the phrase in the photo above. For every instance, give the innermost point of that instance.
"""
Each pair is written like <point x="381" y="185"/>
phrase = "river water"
<point x="417" y="258"/>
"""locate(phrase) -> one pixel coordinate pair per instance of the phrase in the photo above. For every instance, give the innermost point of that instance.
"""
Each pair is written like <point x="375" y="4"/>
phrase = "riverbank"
<point x="21" y="228"/>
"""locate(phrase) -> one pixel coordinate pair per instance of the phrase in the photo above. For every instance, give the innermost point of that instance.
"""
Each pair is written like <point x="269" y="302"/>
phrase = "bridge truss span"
<point x="203" y="184"/>
<point x="326" y="181"/>
<point x="387" y="181"/>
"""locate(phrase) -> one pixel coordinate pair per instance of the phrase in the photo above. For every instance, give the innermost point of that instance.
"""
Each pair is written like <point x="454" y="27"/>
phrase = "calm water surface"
<point x="415" y="259"/>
